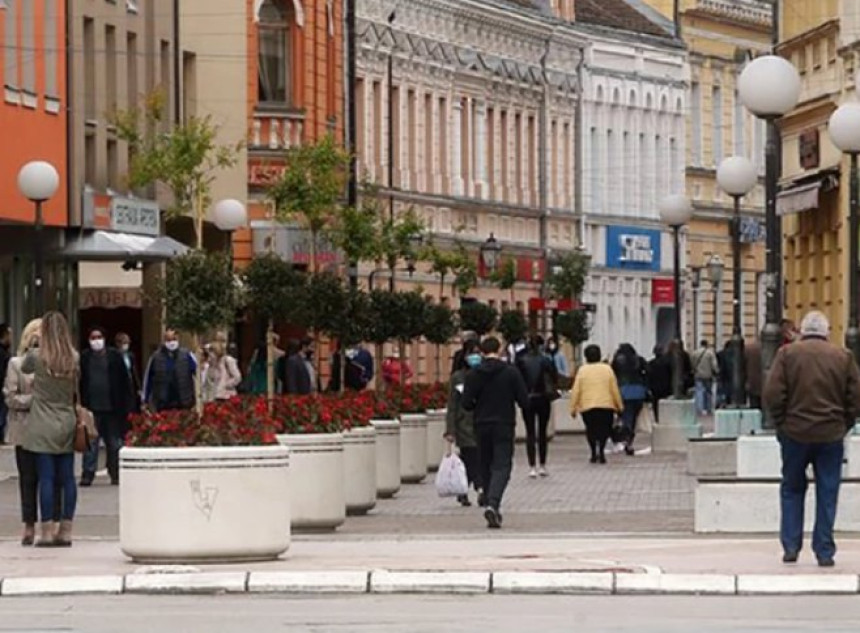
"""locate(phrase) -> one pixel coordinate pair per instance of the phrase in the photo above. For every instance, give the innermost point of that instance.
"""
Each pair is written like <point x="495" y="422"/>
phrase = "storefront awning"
<point x="106" y="246"/>
<point x="803" y="194"/>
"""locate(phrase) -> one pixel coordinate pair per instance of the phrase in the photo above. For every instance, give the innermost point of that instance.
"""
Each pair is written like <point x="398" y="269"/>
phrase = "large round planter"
<point x="413" y="448"/>
<point x="316" y="472"/>
<point x="387" y="457"/>
<point x="204" y="505"/>
<point x="359" y="469"/>
<point x="436" y="444"/>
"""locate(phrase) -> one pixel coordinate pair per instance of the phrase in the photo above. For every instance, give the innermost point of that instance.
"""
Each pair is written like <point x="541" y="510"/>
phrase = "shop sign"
<point x="632" y="248"/>
<point x="292" y="243"/>
<point x="752" y="231"/>
<point x="662" y="292"/>
<point x="121" y="215"/>
<point x="110" y="298"/>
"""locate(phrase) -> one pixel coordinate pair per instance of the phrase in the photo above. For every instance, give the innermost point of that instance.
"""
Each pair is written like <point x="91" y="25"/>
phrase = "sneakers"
<point x="542" y="471"/>
<point x="532" y="474"/>
<point x="494" y="519"/>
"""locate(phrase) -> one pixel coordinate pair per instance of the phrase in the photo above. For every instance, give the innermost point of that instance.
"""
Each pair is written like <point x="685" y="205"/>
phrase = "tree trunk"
<point x="401" y="349"/>
<point x="441" y="286"/>
<point x="438" y="363"/>
<point x="270" y="364"/>
<point x="379" y="360"/>
<point x="198" y="220"/>
<point x="198" y="373"/>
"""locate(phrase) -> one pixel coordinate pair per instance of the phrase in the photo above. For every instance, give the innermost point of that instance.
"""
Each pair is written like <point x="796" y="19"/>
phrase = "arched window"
<point x="274" y="59"/>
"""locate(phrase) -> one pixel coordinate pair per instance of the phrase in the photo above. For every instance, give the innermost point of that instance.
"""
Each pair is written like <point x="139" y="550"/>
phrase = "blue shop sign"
<point x="632" y="248"/>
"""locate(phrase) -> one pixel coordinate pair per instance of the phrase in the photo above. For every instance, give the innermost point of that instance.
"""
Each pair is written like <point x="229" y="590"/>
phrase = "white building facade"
<point x="633" y="155"/>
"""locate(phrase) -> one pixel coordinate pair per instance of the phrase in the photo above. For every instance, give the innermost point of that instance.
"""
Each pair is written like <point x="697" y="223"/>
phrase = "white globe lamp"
<point x="230" y="215"/>
<point x="38" y="181"/>
<point x="844" y="128"/>
<point x="737" y="176"/>
<point x="769" y="86"/>
<point x="675" y="210"/>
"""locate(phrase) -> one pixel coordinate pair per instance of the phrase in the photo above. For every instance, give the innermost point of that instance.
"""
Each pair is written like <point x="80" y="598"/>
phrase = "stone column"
<point x="456" y="160"/>
<point x="480" y="189"/>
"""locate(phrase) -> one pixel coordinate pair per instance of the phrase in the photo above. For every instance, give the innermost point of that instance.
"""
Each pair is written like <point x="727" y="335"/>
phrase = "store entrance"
<point x="113" y="321"/>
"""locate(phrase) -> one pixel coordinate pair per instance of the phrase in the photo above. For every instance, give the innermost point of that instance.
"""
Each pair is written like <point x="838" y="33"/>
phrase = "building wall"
<point x="33" y="109"/>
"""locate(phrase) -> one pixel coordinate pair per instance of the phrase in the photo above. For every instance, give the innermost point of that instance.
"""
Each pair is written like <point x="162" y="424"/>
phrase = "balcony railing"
<point x="276" y="131"/>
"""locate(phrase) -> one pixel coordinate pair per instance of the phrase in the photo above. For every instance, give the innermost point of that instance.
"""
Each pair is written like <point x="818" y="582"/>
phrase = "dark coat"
<point x="539" y="374"/>
<point x="119" y="379"/>
<point x="293" y="372"/>
<point x="660" y="376"/>
<point x="492" y="391"/>
<point x="458" y="421"/>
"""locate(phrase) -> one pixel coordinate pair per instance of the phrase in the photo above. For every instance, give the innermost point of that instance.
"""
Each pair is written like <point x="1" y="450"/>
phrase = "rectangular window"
<point x="166" y="84"/>
<point x="189" y="85"/>
<point x="28" y="50"/>
<point x="50" y="40"/>
<point x="89" y="70"/>
<point x="273" y="56"/>
<point x="717" y="124"/>
<point x="90" y="159"/>
<point x="110" y="67"/>
<point x="696" y="132"/>
<point x="131" y="69"/>
<point x="10" y="37"/>
<point x="113" y="164"/>
<point x="740" y="126"/>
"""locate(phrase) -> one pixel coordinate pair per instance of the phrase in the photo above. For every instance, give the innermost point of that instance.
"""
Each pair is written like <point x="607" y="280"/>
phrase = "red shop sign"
<point x="662" y="291"/>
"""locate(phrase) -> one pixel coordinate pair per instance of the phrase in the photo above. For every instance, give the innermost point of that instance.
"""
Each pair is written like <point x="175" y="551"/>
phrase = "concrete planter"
<point x="204" y="505"/>
<point x="436" y="444"/>
<point x="387" y="457"/>
<point x="316" y="471"/>
<point x="413" y="448"/>
<point x="359" y="469"/>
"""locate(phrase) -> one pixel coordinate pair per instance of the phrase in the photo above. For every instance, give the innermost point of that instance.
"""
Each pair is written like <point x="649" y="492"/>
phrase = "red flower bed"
<point x="435" y="396"/>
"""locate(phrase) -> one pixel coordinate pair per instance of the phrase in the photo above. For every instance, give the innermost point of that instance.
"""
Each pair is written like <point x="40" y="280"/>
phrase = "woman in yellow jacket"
<point x="597" y="397"/>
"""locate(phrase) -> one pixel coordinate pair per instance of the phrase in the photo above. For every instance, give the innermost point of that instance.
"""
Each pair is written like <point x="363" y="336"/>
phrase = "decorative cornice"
<point x="756" y="12"/>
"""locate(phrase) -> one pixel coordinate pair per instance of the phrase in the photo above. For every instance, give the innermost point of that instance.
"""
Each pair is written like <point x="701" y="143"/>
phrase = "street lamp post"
<point x="716" y="268"/>
<point x="230" y="215"/>
<point x="769" y="87"/>
<point x="675" y="212"/>
<point x="844" y="128"/>
<point x="491" y="253"/>
<point x="737" y="176"/>
<point x="38" y="181"/>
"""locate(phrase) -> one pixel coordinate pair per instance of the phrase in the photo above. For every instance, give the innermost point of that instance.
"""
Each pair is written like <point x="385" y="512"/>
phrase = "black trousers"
<point x="496" y="446"/>
<point x="598" y="428"/>
<point x="537" y="422"/>
<point x="28" y="487"/>
<point x="471" y="457"/>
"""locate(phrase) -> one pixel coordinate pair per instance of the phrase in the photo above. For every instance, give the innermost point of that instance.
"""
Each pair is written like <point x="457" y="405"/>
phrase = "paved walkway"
<point x="645" y="494"/>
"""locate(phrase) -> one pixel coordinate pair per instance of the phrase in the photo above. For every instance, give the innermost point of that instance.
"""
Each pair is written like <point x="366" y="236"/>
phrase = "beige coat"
<point x="18" y="394"/>
<point x="222" y="379"/>
<point x="50" y="426"/>
<point x="595" y="387"/>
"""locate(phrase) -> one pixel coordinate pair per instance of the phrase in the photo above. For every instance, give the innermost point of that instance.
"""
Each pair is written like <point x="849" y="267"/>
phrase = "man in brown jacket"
<point x="813" y="396"/>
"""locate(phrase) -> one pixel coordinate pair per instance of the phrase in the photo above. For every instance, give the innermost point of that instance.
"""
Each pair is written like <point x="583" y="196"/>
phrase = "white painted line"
<point x="223" y="582"/>
<point x="308" y="582"/>
<point x="695" y="584"/>
<point x="429" y="582"/>
<point x="60" y="586"/>
<point x="799" y="584"/>
<point x="547" y="582"/>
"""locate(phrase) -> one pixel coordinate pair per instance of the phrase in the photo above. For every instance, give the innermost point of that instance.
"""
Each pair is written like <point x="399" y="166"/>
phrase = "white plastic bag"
<point x="451" y="480"/>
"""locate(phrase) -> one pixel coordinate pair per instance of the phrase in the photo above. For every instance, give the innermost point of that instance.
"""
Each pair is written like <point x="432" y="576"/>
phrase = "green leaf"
<point x="573" y="326"/>
<point x="478" y="317"/>
<point x="440" y="326"/>
<point x="200" y="292"/>
<point x="567" y="281"/>
<point x="513" y="325"/>
<point x="273" y="287"/>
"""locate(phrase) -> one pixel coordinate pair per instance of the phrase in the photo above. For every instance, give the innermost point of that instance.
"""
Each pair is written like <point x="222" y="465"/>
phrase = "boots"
<point x="48" y="537"/>
<point x="64" y="536"/>
<point x="29" y="536"/>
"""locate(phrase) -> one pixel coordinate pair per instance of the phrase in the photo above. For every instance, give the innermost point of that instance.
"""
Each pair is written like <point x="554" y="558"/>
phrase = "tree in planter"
<point x="311" y="189"/>
<point x="200" y="295"/>
<point x="382" y="328"/>
<point x="478" y="317"/>
<point x="439" y="328"/>
<point x="410" y="321"/>
<point x="573" y="326"/>
<point x="567" y="280"/>
<point x="456" y="262"/>
<point x="513" y="326"/>
<point x="505" y="277"/>
<point x="185" y="158"/>
<point x="273" y="289"/>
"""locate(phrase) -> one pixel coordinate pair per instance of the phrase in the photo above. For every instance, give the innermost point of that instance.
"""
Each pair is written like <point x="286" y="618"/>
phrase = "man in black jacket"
<point x="106" y="390"/>
<point x="293" y="371"/>
<point x="491" y="392"/>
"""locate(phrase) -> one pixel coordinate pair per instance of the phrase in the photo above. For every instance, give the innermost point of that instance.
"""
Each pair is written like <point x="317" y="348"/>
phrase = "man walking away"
<point x="105" y="390"/>
<point x="293" y="372"/>
<point x="813" y="396"/>
<point x="491" y="392"/>
<point x="705" y="369"/>
<point x="752" y="363"/>
<point x="5" y="357"/>
<point x="170" y="374"/>
<point x="659" y="379"/>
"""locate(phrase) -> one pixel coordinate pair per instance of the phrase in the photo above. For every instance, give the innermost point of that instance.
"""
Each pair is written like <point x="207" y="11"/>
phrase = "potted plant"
<point x="387" y="427"/>
<point x="211" y="486"/>
<point x="435" y="399"/>
<point x="413" y="433"/>
<point x="311" y="428"/>
<point x="359" y="449"/>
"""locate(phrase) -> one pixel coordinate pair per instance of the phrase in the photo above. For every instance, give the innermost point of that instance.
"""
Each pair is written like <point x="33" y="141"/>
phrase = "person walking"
<point x="725" y="360"/>
<point x="659" y="379"/>
<point x="170" y="376"/>
<point x="564" y="379"/>
<point x="465" y="337"/>
<point x="597" y="398"/>
<point x="491" y="392"/>
<point x="395" y="370"/>
<point x="18" y="396"/>
<point x="752" y="363"/>
<point x="813" y="397"/>
<point x="631" y="371"/>
<point x="222" y="375"/>
<point x="106" y="391"/>
<point x="122" y="341"/>
<point x="50" y="427"/>
<point x="540" y="376"/>
<point x="5" y="357"/>
<point x="705" y="370"/>
<point x="459" y="423"/>
<point x="293" y="372"/>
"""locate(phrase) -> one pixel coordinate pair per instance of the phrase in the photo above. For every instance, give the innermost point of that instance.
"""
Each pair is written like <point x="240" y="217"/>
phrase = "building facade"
<point x="635" y="83"/>
<point x="33" y="113"/>
<point x="722" y="36"/>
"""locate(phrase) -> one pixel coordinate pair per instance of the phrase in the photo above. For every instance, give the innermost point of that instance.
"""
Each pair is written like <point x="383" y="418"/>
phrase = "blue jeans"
<point x="704" y="396"/>
<point x="632" y="408"/>
<point x="111" y="430"/>
<point x="826" y="460"/>
<point x="57" y="471"/>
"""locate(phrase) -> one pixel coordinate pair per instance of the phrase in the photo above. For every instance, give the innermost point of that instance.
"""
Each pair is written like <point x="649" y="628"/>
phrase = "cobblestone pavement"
<point x="645" y="494"/>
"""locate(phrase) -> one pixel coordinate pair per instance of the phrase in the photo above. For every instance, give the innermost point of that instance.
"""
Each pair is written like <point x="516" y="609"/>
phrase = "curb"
<point x="382" y="582"/>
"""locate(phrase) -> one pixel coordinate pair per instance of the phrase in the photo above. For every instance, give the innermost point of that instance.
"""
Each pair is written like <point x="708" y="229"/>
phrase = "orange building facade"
<point x="33" y="120"/>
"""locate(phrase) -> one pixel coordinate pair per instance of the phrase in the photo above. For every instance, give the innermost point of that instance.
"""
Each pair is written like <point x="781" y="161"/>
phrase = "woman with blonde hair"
<point x="50" y="427"/>
<point x="18" y="394"/>
<point x="222" y="376"/>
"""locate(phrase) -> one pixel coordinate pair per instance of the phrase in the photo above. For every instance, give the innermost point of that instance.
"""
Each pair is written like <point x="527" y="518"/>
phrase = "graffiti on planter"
<point x="204" y="498"/>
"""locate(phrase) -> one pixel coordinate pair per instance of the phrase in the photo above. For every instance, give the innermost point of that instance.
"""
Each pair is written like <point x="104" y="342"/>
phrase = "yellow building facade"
<point x="721" y="37"/>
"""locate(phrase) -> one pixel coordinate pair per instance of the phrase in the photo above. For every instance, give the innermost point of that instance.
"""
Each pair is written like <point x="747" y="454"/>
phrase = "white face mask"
<point x="97" y="344"/>
<point x="172" y="345"/>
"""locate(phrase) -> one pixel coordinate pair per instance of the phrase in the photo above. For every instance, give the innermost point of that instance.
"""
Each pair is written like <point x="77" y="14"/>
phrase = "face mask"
<point x="473" y="360"/>
<point x="172" y="346"/>
<point x="552" y="349"/>
<point x="97" y="344"/>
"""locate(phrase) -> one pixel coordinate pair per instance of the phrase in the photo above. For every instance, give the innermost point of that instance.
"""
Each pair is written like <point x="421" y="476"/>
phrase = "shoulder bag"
<point x="85" y="424"/>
